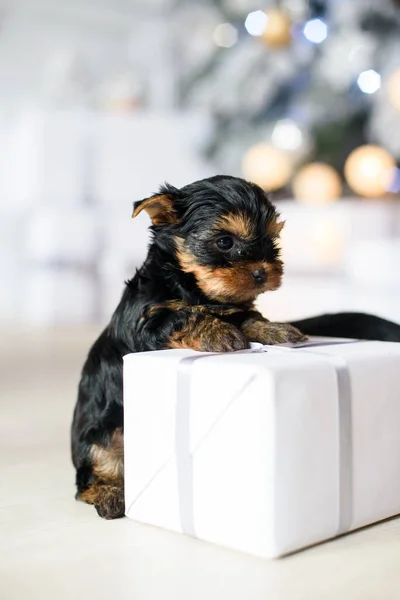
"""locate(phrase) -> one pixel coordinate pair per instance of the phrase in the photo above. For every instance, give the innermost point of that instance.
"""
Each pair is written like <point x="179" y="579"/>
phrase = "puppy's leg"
<point x="189" y="327"/>
<point x="101" y="480"/>
<point x="97" y="429"/>
<point x="258" y="329"/>
<point x="208" y="334"/>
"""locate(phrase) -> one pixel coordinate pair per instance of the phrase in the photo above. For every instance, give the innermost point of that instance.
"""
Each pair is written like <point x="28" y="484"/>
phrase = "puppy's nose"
<point x="259" y="275"/>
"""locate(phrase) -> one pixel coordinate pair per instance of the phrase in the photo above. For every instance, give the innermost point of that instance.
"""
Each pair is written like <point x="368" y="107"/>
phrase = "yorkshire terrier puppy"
<point x="214" y="249"/>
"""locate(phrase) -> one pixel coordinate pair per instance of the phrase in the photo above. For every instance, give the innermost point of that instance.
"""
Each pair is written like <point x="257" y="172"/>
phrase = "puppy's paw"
<point x="288" y="334"/>
<point x="110" y="503"/>
<point x="108" y="499"/>
<point x="223" y="337"/>
<point x="209" y="334"/>
<point x="268" y="333"/>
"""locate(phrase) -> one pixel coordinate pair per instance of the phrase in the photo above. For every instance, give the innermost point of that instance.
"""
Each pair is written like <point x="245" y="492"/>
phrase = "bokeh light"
<point x="225" y="35"/>
<point x="267" y="166"/>
<point x="369" y="171"/>
<point x="317" y="183"/>
<point x="369" y="81"/>
<point x="315" y="31"/>
<point x="256" y="22"/>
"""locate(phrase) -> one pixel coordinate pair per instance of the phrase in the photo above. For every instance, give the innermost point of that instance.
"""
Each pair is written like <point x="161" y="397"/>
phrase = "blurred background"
<point x="103" y="100"/>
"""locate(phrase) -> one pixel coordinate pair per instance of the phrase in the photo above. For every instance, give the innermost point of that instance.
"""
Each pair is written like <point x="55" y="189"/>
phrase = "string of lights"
<point x="293" y="83"/>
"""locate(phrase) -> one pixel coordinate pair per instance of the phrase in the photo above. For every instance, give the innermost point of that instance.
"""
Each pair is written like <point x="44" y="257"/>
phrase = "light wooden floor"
<point x="54" y="548"/>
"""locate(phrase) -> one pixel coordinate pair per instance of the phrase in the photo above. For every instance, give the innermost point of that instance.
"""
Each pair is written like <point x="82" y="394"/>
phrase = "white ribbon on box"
<point x="184" y="454"/>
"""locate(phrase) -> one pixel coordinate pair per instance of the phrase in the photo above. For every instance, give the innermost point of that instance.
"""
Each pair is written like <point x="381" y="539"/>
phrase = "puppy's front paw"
<point x="223" y="337"/>
<point x="288" y="334"/>
<point x="209" y="334"/>
<point x="268" y="333"/>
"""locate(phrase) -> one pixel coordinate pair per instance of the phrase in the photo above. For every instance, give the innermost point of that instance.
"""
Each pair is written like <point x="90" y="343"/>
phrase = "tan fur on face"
<point x="238" y="224"/>
<point x="237" y="282"/>
<point x="108" y="461"/>
<point x="233" y="284"/>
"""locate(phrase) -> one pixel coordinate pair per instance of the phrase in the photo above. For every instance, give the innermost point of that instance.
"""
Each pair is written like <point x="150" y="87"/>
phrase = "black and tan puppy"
<point x="213" y="251"/>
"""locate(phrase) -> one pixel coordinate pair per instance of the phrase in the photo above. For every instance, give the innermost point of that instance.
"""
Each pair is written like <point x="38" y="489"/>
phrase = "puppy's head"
<point x="223" y="231"/>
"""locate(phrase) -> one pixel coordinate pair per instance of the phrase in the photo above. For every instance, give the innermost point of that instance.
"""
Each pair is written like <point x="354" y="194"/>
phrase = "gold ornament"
<point x="393" y="89"/>
<point x="266" y="166"/>
<point x="277" y="32"/>
<point x="317" y="183"/>
<point x="369" y="171"/>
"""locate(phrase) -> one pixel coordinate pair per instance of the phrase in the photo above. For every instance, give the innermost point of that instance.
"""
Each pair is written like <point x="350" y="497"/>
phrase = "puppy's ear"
<point x="160" y="209"/>
<point x="275" y="227"/>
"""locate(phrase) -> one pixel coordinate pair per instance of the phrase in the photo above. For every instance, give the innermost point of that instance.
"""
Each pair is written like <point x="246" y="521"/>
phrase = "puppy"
<point x="214" y="249"/>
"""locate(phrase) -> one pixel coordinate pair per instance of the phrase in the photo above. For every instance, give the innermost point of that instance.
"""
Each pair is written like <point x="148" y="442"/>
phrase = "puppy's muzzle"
<point x="260" y="276"/>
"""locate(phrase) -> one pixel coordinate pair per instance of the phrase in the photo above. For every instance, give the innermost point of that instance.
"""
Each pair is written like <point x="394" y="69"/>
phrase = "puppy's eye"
<point x="225" y="242"/>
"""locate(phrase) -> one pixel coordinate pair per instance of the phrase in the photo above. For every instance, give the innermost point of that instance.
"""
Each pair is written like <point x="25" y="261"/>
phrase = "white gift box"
<point x="264" y="451"/>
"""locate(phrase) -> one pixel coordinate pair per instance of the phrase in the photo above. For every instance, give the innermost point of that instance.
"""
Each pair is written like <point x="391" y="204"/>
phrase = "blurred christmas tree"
<point x="290" y="82"/>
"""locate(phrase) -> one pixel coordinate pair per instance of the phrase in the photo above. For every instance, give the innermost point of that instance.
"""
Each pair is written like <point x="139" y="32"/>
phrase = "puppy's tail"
<point x="350" y="325"/>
